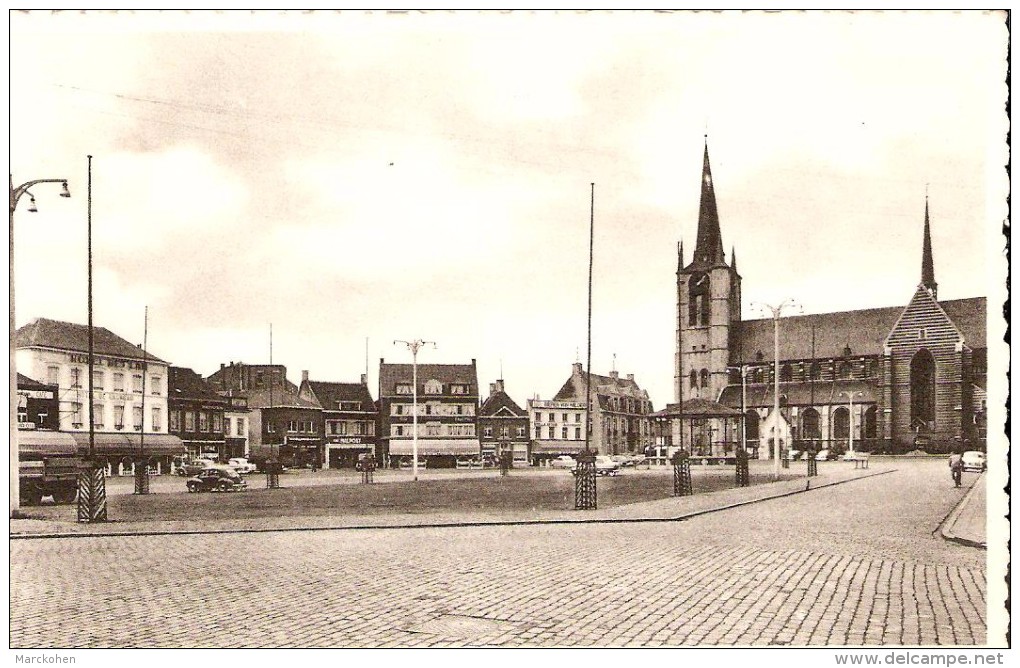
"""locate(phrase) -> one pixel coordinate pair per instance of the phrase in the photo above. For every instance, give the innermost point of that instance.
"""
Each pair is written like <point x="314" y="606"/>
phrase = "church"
<point x="881" y="380"/>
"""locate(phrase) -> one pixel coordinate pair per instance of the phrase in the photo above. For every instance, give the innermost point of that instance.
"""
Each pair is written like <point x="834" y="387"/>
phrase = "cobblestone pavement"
<point x="852" y="564"/>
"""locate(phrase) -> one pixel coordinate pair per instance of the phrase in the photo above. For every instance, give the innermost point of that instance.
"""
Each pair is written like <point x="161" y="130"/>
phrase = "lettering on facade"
<point x="78" y="358"/>
<point x="346" y="440"/>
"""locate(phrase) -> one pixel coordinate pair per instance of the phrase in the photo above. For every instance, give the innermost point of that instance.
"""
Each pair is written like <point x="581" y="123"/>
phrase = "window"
<point x="97" y="415"/>
<point x="118" y="417"/>
<point x="404" y="388"/>
<point x="118" y="382"/>
<point x="97" y="380"/>
<point x="292" y="426"/>
<point x="270" y="427"/>
<point x="75" y="377"/>
<point x="538" y="417"/>
<point x="922" y="389"/>
<point x="239" y="423"/>
<point x="564" y="417"/>
<point x="457" y="388"/>
<point x="175" y="418"/>
<point x="189" y="420"/>
<point x="203" y="421"/>
<point x="398" y="409"/>
<point x="577" y="433"/>
<point x="577" y="417"/>
<point x="136" y="383"/>
<point x="433" y="429"/>
<point x="552" y="432"/>
<point x="460" y="409"/>
<point x="350" y="405"/>
<point x="76" y="413"/>
<point x="520" y="432"/>
<point x="157" y="419"/>
<point x="311" y="426"/>
<point x="136" y="418"/>
<point x="52" y="375"/>
<point x="505" y="432"/>
<point x="217" y="424"/>
<point x="487" y="432"/>
<point x="704" y="377"/>
<point x="398" y="430"/>
<point x="694" y="379"/>
<point x="228" y="426"/>
<point x="433" y="386"/>
<point x="841" y="423"/>
<point x="809" y="424"/>
<point x="157" y="385"/>
<point x="870" y="422"/>
<point x="563" y="433"/>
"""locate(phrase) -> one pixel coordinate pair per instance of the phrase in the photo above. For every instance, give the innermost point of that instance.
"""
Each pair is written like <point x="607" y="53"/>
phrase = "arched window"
<point x="841" y="423"/>
<point x="786" y="373"/>
<point x="809" y="424"/>
<point x="871" y="422"/>
<point x="692" y="310"/>
<point x="704" y="377"/>
<point x="705" y="303"/>
<point x="922" y="388"/>
<point x="698" y="299"/>
<point x="694" y="379"/>
<point x="816" y="371"/>
<point x="751" y="422"/>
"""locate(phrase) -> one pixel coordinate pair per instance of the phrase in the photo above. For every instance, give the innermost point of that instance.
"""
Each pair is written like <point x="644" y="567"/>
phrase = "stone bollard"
<point x="141" y="476"/>
<point x="272" y="474"/>
<point x="585" y="490"/>
<point x="743" y="468"/>
<point x="682" y="474"/>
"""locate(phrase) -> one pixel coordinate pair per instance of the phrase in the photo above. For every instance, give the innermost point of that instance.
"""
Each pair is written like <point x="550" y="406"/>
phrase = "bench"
<point x="861" y="461"/>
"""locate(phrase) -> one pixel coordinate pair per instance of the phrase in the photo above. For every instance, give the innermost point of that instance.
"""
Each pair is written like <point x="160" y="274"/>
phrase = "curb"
<point x="945" y="529"/>
<point x="447" y="524"/>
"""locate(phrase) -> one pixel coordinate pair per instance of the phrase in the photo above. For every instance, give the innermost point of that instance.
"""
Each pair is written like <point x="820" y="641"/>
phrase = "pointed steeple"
<point x="733" y="258"/>
<point x="680" y="257"/>
<point x="709" y="248"/>
<point x="927" y="263"/>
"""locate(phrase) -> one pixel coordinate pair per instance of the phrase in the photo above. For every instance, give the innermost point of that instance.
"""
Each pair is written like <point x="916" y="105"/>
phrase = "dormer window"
<point x="433" y="387"/>
<point x="349" y="405"/>
<point x="458" y="388"/>
<point x="404" y="388"/>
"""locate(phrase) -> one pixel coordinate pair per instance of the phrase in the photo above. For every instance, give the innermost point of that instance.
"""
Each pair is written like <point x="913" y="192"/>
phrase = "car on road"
<point x="217" y="479"/>
<point x="604" y="465"/>
<point x="974" y="460"/>
<point x="563" y="462"/>
<point x="242" y="465"/>
<point x="194" y="467"/>
<point x="822" y="456"/>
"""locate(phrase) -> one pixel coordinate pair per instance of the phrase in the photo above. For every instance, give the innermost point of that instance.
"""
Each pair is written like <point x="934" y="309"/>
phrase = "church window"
<point x="870" y="422"/>
<point x="841" y="423"/>
<point x="922" y="389"/>
<point x="704" y="377"/>
<point x="694" y="379"/>
<point x="809" y="424"/>
<point x="751" y="421"/>
<point x="786" y="373"/>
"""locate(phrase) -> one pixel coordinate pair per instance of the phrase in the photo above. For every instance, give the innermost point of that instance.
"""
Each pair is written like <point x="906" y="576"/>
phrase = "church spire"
<point x="709" y="248"/>
<point x="680" y="257"/>
<point x="927" y="263"/>
<point x="733" y="258"/>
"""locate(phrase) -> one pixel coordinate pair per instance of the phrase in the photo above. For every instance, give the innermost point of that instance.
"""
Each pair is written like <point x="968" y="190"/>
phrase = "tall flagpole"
<point x="585" y="492"/>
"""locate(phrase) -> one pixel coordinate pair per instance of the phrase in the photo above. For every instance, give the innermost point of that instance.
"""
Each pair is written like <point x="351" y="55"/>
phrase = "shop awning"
<point x="33" y="442"/>
<point x="557" y="447"/>
<point x="130" y="444"/>
<point x="436" y="447"/>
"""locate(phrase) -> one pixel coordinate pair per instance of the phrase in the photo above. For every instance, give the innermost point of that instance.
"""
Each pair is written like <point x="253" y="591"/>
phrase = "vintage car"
<point x="217" y="479"/>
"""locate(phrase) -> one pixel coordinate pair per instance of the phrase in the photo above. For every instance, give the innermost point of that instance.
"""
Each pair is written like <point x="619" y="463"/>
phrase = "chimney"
<point x="614" y="374"/>
<point x="630" y="377"/>
<point x="304" y="376"/>
<point x="578" y="369"/>
<point x="364" y="379"/>
<point x="222" y="366"/>
<point x="499" y="385"/>
<point x="492" y="389"/>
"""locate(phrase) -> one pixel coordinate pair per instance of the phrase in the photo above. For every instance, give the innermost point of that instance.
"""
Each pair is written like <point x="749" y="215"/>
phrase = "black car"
<point x="217" y="479"/>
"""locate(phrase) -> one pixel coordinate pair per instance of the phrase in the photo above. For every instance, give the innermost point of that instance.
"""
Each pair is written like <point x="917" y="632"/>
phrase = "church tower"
<point x="708" y="304"/>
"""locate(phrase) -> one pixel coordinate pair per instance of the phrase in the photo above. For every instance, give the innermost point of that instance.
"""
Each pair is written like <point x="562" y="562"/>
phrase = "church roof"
<point x="864" y="331"/>
<point x="801" y="393"/>
<point x="709" y="248"/>
<point x="697" y="408"/>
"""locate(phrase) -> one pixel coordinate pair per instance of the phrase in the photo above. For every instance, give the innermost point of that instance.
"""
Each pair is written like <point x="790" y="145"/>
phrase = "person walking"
<point x="956" y="467"/>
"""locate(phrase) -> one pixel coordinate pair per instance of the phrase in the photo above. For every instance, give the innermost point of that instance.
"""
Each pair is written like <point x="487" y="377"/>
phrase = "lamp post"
<point x="777" y="312"/>
<point x="414" y="347"/>
<point x="15" y="195"/>
<point x="850" y="396"/>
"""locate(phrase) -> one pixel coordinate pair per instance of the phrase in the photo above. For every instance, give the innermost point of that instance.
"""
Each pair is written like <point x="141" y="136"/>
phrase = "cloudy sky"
<point x="399" y="176"/>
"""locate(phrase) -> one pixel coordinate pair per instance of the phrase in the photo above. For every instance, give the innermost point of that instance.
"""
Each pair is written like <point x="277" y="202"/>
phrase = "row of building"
<point x="886" y="379"/>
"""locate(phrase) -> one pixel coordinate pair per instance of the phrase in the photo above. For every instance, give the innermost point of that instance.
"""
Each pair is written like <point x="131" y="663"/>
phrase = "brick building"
<point x="503" y="426"/>
<point x="196" y="415"/>
<point x="350" y="419"/>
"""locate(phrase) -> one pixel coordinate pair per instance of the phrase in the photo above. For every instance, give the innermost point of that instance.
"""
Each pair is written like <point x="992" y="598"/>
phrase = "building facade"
<point x="350" y="419"/>
<point x="38" y="405"/>
<point x="235" y="426"/>
<point x="557" y="428"/>
<point x="196" y="415"/>
<point x="880" y="380"/>
<point x="129" y="391"/>
<point x="447" y="403"/>
<point x="503" y="426"/>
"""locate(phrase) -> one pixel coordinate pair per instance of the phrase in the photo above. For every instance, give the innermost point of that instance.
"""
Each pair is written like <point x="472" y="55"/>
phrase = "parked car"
<point x="604" y="465"/>
<point x="822" y="456"/>
<point x="974" y="460"/>
<point x="194" y="467"/>
<point x="242" y="465"/>
<point x="624" y="460"/>
<point x="217" y="479"/>
<point x="563" y="462"/>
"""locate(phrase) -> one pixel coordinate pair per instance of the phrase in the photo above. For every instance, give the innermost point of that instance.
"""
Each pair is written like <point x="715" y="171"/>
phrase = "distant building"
<point x="38" y="405"/>
<point x="196" y="415"/>
<point x="557" y="428"/>
<point x="350" y="419"/>
<point x="235" y="426"/>
<point x="447" y="413"/>
<point x="503" y="425"/>
<point x="57" y="352"/>
<point x="243" y="377"/>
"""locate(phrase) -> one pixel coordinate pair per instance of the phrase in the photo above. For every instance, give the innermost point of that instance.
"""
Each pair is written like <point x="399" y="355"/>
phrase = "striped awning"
<point x="38" y="442"/>
<point x="130" y="444"/>
<point x="436" y="446"/>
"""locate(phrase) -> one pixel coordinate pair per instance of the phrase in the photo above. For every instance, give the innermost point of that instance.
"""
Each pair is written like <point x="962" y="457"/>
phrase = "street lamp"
<point x="414" y="347"/>
<point x="777" y="312"/>
<point x="743" y="369"/>
<point x="850" y="396"/>
<point x="15" y="195"/>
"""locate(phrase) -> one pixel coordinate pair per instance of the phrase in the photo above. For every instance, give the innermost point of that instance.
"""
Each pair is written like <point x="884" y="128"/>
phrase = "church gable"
<point x="923" y="323"/>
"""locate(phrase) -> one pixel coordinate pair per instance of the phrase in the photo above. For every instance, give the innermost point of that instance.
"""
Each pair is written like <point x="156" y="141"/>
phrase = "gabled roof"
<point x="330" y="394"/>
<point x="501" y="401"/>
<point x="391" y="374"/>
<point x="279" y="398"/>
<point x="600" y="385"/>
<point x="45" y="333"/>
<point x="697" y="408"/>
<point x="864" y="331"/>
<point x="184" y="383"/>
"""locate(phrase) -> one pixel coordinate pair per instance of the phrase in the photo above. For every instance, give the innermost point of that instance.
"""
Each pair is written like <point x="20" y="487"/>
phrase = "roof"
<point x="601" y="385"/>
<point x="864" y="331"/>
<point x="800" y="393"/>
<point x="45" y="333"/>
<point x="697" y="408"/>
<point x="184" y="383"/>
<point x="279" y="398"/>
<point x="500" y="400"/>
<point x="391" y="374"/>
<point x="26" y="383"/>
<point x="330" y="394"/>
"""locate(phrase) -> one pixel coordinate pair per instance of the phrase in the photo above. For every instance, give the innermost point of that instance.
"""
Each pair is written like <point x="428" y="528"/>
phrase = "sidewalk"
<point x="967" y="524"/>
<point x="662" y="510"/>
